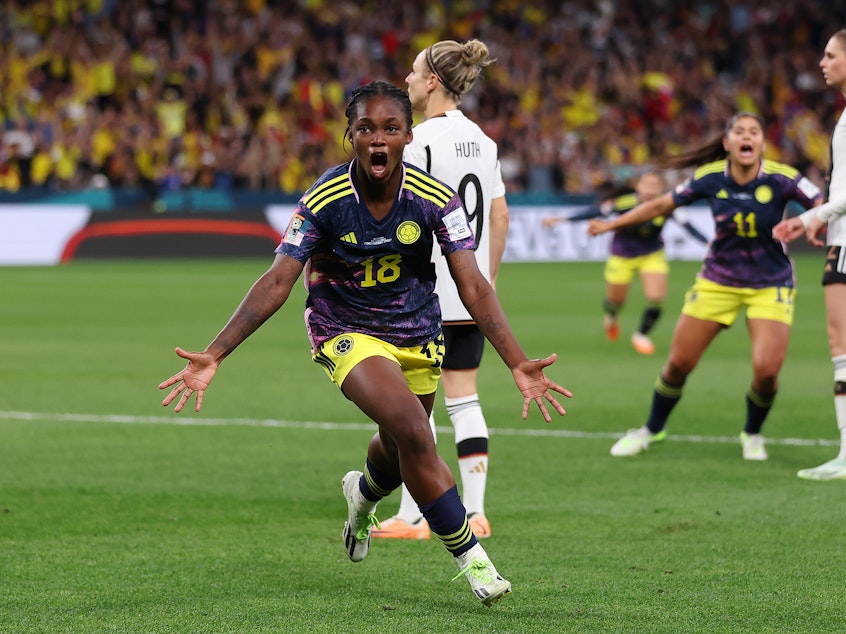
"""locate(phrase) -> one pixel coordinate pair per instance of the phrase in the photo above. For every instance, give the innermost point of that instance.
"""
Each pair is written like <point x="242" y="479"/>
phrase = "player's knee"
<point x="415" y="439"/>
<point x="677" y="368"/>
<point x="765" y="380"/>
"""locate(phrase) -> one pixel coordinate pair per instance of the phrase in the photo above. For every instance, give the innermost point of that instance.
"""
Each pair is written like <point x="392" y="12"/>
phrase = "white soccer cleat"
<point x="487" y="584"/>
<point x="359" y="522"/>
<point x="831" y="470"/>
<point x="753" y="446"/>
<point x="636" y="441"/>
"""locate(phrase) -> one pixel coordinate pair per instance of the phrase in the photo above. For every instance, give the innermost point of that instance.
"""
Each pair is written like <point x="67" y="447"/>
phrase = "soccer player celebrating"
<point x="831" y="219"/>
<point x="456" y="150"/>
<point x="364" y="234"/>
<point x="637" y="249"/>
<point x="744" y="268"/>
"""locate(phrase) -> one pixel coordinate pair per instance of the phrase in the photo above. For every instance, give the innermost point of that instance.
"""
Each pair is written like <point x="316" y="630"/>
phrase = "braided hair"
<point x="373" y="89"/>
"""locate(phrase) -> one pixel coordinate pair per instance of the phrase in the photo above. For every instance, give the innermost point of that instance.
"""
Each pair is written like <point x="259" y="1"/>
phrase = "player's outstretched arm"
<point x="263" y="299"/>
<point x="644" y="212"/>
<point x="535" y="386"/>
<point x="591" y="212"/>
<point x="483" y="305"/>
<point x="194" y="378"/>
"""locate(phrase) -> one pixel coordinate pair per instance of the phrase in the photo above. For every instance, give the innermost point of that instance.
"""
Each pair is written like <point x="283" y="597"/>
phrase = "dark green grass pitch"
<point x="117" y="515"/>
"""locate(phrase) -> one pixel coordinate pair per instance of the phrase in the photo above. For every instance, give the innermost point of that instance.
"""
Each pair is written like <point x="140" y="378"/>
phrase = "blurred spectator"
<point x="10" y="176"/>
<point x="167" y="94"/>
<point x="20" y="148"/>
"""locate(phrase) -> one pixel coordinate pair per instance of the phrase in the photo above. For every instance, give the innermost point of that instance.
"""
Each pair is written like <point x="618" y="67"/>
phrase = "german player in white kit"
<point x="826" y="226"/>
<point x="456" y="150"/>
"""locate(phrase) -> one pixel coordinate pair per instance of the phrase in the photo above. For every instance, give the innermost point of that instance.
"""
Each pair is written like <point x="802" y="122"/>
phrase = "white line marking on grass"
<point x="291" y="424"/>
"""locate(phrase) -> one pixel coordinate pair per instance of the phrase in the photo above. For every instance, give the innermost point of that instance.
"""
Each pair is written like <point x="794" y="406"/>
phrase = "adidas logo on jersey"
<point x="350" y="237"/>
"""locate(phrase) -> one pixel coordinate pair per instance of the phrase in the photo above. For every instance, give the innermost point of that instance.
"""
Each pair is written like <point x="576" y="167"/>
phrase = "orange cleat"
<point x="612" y="328"/>
<point x="480" y="525"/>
<point x="642" y="343"/>
<point x="398" y="528"/>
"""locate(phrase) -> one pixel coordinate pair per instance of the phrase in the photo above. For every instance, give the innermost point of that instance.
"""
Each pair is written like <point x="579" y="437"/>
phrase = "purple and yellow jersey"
<point x="744" y="253"/>
<point x="633" y="242"/>
<point x="370" y="276"/>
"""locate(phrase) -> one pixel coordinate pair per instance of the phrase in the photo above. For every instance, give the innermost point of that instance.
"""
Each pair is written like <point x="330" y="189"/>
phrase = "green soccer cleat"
<point x="359" y="522"/>
<point x="636" y="441"/>
<point x="831" y="470"/>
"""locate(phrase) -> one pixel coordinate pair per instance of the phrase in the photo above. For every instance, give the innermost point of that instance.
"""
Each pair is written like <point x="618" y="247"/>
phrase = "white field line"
<point x="189" y="419"/>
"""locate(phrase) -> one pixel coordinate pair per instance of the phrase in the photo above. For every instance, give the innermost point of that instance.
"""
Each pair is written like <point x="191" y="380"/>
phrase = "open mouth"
<point x="746" y="151"/>
<point x="378" y="163"/>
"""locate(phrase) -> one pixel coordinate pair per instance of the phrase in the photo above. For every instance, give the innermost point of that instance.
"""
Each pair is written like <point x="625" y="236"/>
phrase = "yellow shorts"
<point x="620" y="270"/>
<point x="715" y="302"/>
<point x="421" y="365"/>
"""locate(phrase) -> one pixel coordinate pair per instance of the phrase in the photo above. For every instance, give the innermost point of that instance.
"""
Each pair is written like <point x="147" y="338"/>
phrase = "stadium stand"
<point x="162" y="95"/>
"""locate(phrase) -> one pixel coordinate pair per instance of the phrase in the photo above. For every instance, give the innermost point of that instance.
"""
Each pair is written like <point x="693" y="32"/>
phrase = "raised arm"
<point x="263" y="299"/>
<point x="483" y="305"/>
<point x="644" y="212"/>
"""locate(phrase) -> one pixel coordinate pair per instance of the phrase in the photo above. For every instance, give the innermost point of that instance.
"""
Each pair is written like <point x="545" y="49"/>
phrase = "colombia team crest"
<point x="763" y="194"/>
<point x="408" y="232"/>
<point x="342" y="345"/>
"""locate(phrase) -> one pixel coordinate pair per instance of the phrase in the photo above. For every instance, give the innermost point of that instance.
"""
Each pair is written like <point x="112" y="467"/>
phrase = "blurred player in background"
<point x="457" y="151"/>
<point x="826" y="225"/>
<point x="744" y="268"/>
<point x="637" y="249"/>
<point x="364" y="233"/>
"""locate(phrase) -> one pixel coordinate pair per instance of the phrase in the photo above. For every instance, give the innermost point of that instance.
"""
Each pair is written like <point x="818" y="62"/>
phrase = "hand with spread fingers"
<point x="193" y="379"/>
<point x="535" y="386"/>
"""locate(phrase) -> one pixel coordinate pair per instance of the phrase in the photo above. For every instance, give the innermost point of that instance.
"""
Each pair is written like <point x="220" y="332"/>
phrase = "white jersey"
<point x="455" y="150"/>
<point x="836" y="234"/>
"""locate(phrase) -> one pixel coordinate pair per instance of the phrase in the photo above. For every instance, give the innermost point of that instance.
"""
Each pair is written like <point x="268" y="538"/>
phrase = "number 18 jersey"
<point x="369" y="276"/>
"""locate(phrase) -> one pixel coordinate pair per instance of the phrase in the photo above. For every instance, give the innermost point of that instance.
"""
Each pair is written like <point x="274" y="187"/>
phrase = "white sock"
<point x="408" y="509"/>
<point x="840" y="402"/>
<point x="840" y="414"/>
<point x="467" y="418"/>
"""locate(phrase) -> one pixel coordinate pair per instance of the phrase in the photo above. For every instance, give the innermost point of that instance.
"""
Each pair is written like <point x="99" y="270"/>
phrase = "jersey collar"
<point x="351" y="176"/>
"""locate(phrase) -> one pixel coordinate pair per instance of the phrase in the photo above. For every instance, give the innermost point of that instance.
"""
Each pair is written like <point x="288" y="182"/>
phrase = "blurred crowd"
<point x="169" y="94"/>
